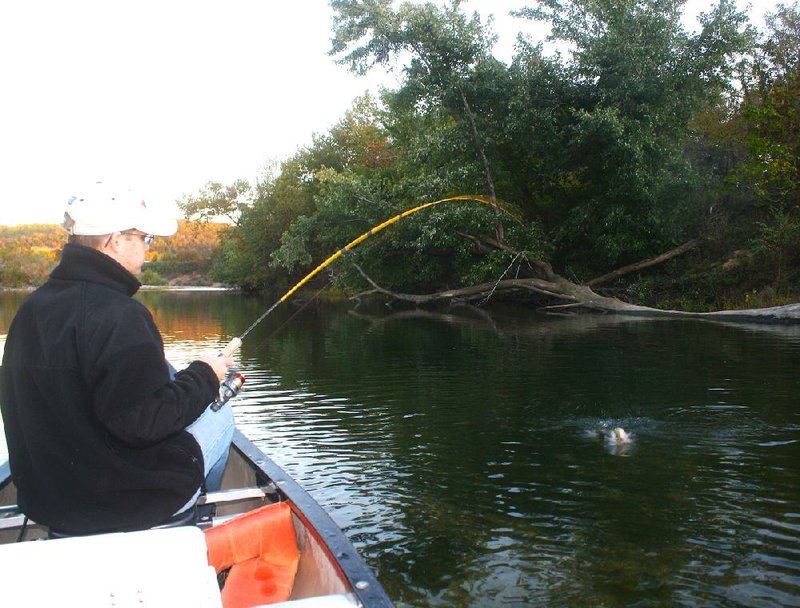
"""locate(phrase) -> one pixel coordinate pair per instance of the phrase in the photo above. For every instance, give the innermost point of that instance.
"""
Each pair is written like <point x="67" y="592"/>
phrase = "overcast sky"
<point x="164" y="96"/>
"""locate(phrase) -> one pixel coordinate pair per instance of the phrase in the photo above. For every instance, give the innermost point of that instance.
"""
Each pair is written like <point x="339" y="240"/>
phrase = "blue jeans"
<point x="213" y="432"/>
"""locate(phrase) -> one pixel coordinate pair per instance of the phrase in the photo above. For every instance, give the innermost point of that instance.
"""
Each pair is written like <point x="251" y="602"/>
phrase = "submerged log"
<point x="789" y="313"/>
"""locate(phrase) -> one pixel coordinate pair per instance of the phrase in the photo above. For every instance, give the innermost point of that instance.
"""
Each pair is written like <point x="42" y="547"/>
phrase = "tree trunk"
<point x="487" y="171"/>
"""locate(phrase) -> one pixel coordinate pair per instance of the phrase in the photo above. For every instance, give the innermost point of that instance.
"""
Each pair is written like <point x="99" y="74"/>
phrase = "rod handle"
<point x="232" y="347"/>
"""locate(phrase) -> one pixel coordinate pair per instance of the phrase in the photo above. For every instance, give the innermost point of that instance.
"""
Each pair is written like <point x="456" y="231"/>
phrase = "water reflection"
<point x="471" y="438"/>
<point x="465" y="453"/>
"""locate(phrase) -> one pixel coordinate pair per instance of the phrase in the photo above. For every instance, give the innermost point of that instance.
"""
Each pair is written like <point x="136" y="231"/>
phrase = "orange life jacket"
<point x="260" y="548"/>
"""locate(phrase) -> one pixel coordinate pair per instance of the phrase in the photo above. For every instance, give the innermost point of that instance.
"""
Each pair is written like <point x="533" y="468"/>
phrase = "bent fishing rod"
<point x="234" y="381"/>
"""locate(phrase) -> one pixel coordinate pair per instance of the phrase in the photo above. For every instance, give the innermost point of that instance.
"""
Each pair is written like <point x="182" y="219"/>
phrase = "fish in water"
<point x="618" y="436"/>
<point x="616" y="440"/>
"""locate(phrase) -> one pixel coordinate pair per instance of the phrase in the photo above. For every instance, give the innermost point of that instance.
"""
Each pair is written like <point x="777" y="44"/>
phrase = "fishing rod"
<point x="233" y="383"/>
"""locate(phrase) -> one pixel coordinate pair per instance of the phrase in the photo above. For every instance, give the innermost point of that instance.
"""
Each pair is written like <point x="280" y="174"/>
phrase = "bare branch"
<point x="487" y="244"/>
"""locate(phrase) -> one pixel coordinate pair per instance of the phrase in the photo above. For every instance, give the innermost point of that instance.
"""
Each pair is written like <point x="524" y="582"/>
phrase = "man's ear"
<point x="112" y="242"/>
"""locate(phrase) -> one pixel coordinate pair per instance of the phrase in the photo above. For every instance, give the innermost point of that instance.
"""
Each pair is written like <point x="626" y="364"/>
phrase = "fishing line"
<point x="294" y="314"/>
<point x="236" y="343"/>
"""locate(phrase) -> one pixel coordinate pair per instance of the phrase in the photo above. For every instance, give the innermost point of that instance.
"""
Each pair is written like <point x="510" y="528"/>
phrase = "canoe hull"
<point x="329" y="564"/>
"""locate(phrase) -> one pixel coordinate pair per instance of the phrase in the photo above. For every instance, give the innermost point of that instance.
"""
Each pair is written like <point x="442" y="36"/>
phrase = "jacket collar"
<point x="79" y="263"/>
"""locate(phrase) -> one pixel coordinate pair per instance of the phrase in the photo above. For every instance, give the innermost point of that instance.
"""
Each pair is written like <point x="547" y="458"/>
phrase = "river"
<point x="463" y="451"/>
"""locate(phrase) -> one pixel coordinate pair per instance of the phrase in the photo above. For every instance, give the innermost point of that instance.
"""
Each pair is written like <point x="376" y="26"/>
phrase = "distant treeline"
<point x="639" y="137"/>
<point x="29" y="253"/>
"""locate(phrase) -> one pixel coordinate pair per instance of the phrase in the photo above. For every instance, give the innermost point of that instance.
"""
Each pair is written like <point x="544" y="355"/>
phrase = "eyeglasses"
<point x="147" y="238"/>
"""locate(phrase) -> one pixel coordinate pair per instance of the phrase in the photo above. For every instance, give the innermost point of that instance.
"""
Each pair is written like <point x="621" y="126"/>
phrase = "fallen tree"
<point x="573" y="296"/>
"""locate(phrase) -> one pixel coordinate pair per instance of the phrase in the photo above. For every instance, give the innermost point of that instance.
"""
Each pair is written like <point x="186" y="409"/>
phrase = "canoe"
<point x="262" y="539"/>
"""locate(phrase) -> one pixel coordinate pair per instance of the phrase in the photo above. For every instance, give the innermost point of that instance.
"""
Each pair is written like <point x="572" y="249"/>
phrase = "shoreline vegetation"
<point x="648" y="170"/>
<point x="42" y="241"/>
<point x="28" y="253"/>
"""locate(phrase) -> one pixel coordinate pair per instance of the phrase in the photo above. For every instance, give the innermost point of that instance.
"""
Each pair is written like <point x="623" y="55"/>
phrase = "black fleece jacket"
<point x="94" y="424"/>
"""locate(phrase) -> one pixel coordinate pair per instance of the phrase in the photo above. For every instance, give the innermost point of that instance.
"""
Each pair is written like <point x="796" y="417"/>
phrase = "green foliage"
<point x="618" y="123"/>
<point x="760" y="137"/>
<point x="218" y="201"/>
<point x="449" y="54"/>
<point x="777" y="246"/>
<point x="629" y="146"/>
<point x="444" y="42"/>
<point x="228" y="261"/>
<point x="771" y="106"/>
<point x="149" y="276"/>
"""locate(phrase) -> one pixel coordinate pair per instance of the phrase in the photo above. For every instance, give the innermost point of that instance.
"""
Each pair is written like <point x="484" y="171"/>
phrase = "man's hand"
<point x="218" y="362"/>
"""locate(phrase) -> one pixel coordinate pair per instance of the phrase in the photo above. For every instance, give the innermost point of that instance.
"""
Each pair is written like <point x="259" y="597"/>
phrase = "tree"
<point x="595" y="146"/>
<point x="621" y="187"/>
<point x="770" y="112"/>
<point x="218" y="201"/>
<point x="772" y="105"/>
<point x="446" y="48"/>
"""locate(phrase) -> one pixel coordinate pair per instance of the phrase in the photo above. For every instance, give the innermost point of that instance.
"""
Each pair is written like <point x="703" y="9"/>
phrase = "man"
<point x="95" y="418"/>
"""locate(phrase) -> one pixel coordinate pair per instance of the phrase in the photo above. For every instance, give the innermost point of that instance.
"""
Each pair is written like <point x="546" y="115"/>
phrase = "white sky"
<point x="165" y="95"/>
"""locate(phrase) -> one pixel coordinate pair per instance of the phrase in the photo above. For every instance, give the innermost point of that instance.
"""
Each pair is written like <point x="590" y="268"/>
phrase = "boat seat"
<point x="184" y="518"/>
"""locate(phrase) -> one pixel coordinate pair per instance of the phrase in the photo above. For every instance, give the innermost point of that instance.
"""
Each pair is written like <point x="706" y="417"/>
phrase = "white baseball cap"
<point x="102" y="210"/>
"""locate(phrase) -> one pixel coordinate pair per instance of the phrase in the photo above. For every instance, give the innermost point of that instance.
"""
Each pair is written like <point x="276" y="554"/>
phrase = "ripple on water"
<point x="469" y="471"/>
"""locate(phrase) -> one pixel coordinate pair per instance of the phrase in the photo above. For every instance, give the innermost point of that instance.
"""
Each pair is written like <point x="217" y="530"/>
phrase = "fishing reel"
<point x="232" y="384"/>
<point x="229" y="388"/>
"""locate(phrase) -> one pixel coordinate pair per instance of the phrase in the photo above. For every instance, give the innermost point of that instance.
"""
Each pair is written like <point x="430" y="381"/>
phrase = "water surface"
<point x="463" y="451"/>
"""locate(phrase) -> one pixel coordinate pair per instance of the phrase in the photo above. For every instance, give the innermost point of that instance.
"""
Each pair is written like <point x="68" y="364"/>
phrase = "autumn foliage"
<point x="28" y="254"/>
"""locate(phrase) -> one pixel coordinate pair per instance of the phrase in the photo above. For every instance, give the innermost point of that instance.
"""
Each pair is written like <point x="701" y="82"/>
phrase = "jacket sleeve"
<point x="133" y="396"/>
